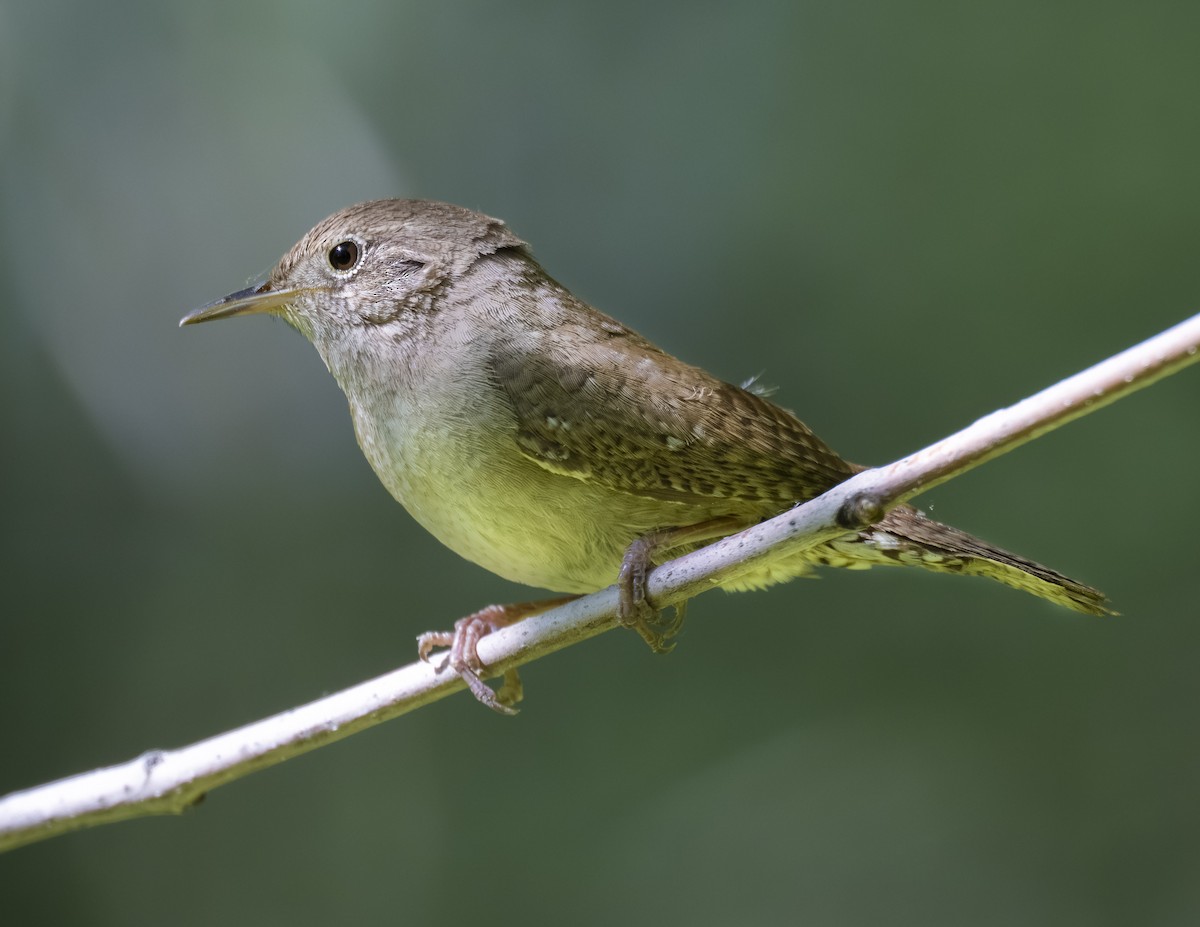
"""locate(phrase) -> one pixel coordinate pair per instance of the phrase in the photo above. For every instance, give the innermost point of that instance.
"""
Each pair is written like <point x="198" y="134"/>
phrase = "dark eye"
<point x="343" y="256"/>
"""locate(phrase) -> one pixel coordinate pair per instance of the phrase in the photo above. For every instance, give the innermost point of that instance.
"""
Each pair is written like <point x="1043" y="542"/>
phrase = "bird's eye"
<point x="343" y="255"/>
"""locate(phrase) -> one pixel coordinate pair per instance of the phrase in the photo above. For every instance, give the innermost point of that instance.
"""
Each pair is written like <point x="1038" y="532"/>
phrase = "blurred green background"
<point x="904" y="215"/>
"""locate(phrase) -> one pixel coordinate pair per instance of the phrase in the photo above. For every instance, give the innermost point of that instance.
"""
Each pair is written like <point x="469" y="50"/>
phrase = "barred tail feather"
<point x="905" y="536"/>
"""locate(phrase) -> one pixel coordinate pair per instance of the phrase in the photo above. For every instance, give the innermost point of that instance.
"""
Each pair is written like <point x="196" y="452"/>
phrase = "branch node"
<point x="150" y="759"/>
<point x="860" y="510"/>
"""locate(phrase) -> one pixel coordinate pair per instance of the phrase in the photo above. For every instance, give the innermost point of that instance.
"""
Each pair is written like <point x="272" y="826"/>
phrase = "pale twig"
<point x="162" y="782"/>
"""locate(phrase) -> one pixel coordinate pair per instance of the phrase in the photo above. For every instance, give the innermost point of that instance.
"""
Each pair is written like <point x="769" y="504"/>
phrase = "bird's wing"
<point x="595" y="401"/>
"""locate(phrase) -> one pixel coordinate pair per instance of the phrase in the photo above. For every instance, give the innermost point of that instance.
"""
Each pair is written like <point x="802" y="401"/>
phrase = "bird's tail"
<point x="905" y="536"/>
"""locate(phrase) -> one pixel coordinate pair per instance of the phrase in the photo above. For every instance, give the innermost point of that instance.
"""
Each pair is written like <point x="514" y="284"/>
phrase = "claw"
<point x="463" y="656"/>
<point x="635" y="610"/>
<point x="499" y="701"/>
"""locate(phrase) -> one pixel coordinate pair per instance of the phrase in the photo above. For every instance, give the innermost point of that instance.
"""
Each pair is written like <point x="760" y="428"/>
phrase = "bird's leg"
<point x="463" y="642"/>
<point x="636" y="611"/>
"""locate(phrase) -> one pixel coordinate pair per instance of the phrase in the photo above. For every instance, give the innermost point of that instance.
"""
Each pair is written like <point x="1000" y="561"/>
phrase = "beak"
<point x="260" y="298"/>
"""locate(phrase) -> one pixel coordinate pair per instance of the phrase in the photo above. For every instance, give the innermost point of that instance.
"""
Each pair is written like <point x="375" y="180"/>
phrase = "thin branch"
<point x="167" y="782"/>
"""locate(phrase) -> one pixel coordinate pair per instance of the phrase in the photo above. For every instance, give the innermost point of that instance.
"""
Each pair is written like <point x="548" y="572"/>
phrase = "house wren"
<point x="550" y="443"/>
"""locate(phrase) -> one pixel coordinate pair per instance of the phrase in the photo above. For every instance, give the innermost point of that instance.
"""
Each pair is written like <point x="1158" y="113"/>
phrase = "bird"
<point x="552" y="444"/>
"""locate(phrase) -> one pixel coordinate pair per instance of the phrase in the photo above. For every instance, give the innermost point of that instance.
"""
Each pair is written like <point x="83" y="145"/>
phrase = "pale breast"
<point x="469" y="485"/>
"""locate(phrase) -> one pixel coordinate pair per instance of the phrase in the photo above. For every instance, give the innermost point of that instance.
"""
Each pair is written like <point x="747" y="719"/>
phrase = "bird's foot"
<point x="635" y="609"/>
<point x="463" y="658"/>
